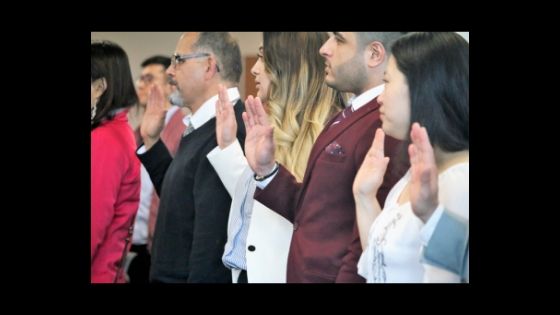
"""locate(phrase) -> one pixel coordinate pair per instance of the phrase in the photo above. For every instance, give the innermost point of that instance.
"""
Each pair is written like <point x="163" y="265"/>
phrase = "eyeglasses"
<point x="146" y="78"/>
<point x="179" y="59"/>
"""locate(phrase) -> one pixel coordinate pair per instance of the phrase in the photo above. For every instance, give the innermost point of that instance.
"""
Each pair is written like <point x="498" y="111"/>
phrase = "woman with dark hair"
<point x="115" y="169"/>
<point x="426" y="96"/>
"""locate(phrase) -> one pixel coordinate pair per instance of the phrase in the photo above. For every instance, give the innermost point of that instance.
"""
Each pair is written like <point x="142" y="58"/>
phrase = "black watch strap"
<point x="274" y="171"/>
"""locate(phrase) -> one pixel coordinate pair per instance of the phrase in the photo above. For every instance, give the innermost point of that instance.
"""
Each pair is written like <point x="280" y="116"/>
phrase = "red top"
<point x="171" y="137"/>
<point x="115" y="194"/>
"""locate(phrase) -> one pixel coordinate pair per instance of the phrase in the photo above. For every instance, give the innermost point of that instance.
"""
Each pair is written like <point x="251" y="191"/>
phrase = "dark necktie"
<point x="344" y="114"/>
<point x="189" y="128"/>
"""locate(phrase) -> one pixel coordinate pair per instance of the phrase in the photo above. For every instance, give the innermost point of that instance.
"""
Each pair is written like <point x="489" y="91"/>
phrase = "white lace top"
<point x="394" y="246"/>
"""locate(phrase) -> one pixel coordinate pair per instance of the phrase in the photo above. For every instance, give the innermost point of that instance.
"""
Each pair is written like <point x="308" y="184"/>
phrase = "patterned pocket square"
<point x="334" y="149"/>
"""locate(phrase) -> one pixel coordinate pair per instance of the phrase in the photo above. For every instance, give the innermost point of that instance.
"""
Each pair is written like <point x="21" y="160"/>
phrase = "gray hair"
<point x="227" y="52"/>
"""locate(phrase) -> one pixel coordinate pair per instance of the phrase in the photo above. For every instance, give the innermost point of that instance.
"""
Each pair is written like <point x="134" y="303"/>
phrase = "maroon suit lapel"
<point x="329" y="134"/>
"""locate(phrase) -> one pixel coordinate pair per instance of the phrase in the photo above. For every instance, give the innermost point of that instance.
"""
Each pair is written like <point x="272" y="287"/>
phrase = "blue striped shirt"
<point x="239" y="220"/>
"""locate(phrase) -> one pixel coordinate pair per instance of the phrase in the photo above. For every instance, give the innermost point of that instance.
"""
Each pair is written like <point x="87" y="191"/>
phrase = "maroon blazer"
<point x="325" y="245"/>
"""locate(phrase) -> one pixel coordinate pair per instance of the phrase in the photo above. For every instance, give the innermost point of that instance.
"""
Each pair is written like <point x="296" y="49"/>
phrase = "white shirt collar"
<point x="366" y="97"/>
<point x="208" y="109"/>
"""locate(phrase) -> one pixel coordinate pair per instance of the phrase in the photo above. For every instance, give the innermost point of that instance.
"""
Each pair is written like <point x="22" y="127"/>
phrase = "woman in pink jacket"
<point x="115" y="169"/>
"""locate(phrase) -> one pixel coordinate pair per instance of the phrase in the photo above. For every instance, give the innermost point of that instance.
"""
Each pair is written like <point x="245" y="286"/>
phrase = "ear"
<point x="99" y="87"/>
<point x="375" y="53"/>
<point x="213" y="67"/>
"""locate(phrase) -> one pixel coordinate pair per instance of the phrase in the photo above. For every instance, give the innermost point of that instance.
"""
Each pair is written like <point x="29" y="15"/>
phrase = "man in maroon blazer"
<point x="325" y="245"/>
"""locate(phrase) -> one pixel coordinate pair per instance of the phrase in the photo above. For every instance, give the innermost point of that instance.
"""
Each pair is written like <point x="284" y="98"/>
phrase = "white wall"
<point x="141" y="45"/>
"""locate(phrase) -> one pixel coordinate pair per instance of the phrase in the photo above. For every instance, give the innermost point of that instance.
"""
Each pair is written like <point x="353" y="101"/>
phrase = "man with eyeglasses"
<point x="191" y="226"/>
<point x="153" y="72"/>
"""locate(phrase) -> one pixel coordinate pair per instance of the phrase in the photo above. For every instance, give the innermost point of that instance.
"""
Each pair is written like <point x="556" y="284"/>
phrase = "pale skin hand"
<point x="366" y="183"/>
<point x="259" y="143"/>
<point x="226" y="125"/>
<point x="370" y="175"/>
<point x="424" y="174"/>
<point x="154" y="117"/>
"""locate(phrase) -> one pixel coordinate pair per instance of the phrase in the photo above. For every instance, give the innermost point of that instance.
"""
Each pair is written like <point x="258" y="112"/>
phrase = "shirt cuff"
<point x="234" y="149"/>
<point x="430" y="226"/>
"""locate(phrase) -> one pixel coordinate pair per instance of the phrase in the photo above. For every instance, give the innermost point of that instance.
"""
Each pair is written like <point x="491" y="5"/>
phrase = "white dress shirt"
<point x="208" y="109"/>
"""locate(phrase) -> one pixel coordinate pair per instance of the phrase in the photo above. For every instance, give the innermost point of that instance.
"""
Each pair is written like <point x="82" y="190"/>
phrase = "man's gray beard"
<point x="176" y="99"/>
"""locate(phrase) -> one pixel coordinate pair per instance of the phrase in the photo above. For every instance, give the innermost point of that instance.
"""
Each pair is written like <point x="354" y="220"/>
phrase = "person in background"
<point x="115" y="169"/>
<point x="153" y="72"/>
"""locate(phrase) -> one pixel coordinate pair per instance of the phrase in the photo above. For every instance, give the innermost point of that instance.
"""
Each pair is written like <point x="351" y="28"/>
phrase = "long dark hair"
<point x="109" y="61"/>
<point x="436" y="66"/>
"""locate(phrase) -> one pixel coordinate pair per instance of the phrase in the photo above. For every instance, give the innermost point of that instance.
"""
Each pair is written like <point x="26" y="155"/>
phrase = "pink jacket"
<point x="115" y="194"/>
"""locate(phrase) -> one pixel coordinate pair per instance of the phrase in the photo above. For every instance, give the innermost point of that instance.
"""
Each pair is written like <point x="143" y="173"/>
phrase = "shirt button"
<point x="251" y="248"/>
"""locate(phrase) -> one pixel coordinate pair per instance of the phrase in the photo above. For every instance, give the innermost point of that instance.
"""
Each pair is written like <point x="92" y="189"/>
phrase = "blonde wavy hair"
<point x="299" y="101"/>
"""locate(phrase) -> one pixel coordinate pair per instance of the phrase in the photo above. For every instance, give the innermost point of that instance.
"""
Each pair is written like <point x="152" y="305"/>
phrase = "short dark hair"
<point x="226" y="50"/>
<point x="385" y="38"/>
<point x="109" y="61"/>
<point x="436" y="66"/>
<point x="157" y="60"/>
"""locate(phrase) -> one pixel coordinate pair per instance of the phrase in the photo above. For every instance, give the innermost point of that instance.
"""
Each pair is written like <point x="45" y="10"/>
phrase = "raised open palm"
<point x="370" y="175"/>
<point x="424" y="174"/>
<point x="154" y="117"/>
<point x="259" y="143"/>
<point x="226" y="125"/>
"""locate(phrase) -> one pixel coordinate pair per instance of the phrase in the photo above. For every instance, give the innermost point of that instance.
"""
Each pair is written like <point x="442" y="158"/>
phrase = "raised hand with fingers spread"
<point x="259" y="143"/>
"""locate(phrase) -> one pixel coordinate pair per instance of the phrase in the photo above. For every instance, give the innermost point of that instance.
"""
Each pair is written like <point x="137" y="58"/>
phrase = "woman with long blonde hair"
<point x="298" y="101"/>
<point x="290" y="79"/>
